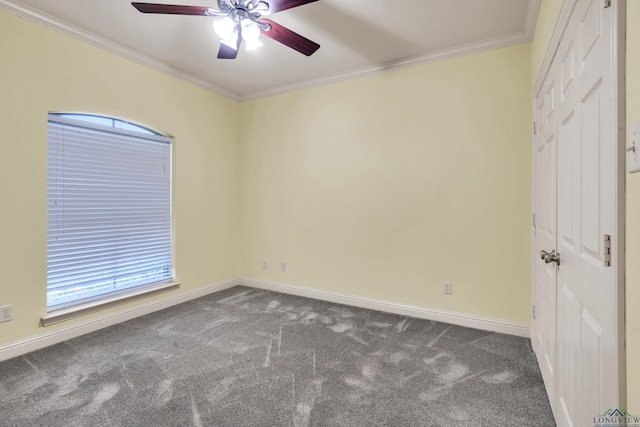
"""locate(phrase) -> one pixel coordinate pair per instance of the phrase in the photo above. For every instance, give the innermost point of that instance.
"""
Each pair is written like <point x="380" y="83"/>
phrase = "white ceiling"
<point x="356" y="37"/>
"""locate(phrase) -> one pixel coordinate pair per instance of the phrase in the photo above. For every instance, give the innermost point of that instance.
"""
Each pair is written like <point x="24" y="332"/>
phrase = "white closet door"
<point x="576" y="330"/>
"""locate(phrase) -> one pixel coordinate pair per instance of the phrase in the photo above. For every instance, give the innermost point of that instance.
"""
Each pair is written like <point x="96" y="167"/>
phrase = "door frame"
<point x="618" y="66"/>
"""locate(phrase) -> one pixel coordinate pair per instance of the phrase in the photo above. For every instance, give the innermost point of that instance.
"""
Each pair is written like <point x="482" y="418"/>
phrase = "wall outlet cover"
<point x="6" y="313"/>
<point x="447" y="288"/>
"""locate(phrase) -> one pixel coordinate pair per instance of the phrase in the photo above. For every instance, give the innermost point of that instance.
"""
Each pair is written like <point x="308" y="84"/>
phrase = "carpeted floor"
<point x="248" y="357"/>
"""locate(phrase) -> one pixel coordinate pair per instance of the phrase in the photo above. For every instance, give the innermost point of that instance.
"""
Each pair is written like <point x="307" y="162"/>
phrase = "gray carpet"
<point x="248" y="357"/>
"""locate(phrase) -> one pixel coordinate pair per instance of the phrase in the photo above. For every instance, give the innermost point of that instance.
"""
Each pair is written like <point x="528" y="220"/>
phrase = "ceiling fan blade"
<point x="172" y="9"/>
<point x="278" y="5"/>
<point x="226" y="51"/>
<point x="289" y="38"/>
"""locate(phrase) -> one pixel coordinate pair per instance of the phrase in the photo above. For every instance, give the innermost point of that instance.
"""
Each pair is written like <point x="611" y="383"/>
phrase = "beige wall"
<point x="42" y="71"/>
<point x="388" y="185"/>
<point x="633" y="215"/>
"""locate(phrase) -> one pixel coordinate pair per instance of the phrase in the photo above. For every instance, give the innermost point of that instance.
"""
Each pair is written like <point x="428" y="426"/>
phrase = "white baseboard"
<point x="44" y="340"/>
<point x="461" y="319"/>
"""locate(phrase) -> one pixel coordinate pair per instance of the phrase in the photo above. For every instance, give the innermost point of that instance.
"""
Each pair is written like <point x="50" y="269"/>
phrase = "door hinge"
<point x="535" y="128"/>
<point x="533" y="311"/>
<point x="607" y="3"/>
<point x="607" y="250"/>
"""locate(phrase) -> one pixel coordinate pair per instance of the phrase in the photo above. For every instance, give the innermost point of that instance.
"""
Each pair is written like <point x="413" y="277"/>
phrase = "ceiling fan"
<point x="242" y="20"/>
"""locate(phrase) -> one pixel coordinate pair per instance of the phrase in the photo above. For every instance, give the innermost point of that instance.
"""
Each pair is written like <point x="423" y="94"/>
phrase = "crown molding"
<point x="525" y="36"/>
<point x="436" y="56"/>
<point x="86" y="36"/>
<point x="533" y="7"/>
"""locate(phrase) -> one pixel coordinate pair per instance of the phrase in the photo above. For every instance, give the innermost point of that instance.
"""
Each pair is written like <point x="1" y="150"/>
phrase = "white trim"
<point x="19" y="348"/>
<point x="533" y="7"/>
<point x="619" y="75"/>
<point x="44" y="340"/>
<point x="101" y="304"/>
<point x="142" y="133"/>
<point x="436" y="56"/>
<point x="461" y="319"/>
<point x="86" y="36"/>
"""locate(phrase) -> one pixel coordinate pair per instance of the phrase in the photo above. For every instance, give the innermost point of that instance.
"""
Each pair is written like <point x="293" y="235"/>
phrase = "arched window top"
<point x="108" y="121"/>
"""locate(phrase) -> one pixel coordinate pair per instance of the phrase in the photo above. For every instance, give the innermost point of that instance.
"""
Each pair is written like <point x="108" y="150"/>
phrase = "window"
<point x="109" y="209"/>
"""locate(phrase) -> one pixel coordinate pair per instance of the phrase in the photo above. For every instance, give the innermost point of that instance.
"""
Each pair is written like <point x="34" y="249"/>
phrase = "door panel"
<point x="591" y="365"/>
<point x="589" y="26"/>
<point x="566" y="182"/>
<point x="566" y="354"/>
<point x="567" y="69"/>
<point x="590" y="168"/>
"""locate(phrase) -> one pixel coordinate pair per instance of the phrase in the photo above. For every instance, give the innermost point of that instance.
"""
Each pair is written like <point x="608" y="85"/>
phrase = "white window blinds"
<point x="109" y="212"/>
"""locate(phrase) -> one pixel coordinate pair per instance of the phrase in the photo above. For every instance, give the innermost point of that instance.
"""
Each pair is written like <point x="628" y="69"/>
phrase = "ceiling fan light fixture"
<point x="263" y="7"/>
<point x="250" y="30"/>
<point x="225" y="28"/>
<point x="231" y="41"/>
<point x="242" y="19"/>
<point x="253" y="44"/>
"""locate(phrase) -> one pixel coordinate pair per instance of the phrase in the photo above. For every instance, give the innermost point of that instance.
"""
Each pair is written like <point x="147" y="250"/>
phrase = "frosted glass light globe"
<point x="250" y="30"/>
<point x="224" y="27"/>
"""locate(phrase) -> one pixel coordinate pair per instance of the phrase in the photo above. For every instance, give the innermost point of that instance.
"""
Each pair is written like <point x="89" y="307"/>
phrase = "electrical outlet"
<point x="265" y="264"/>
<point x="447" y="288"/>
<point x="283" y="266"/>
<point x="6" y="313"/>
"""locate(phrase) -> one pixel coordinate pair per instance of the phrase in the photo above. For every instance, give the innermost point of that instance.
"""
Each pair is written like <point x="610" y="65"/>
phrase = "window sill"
<point x="96" y="306"/>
